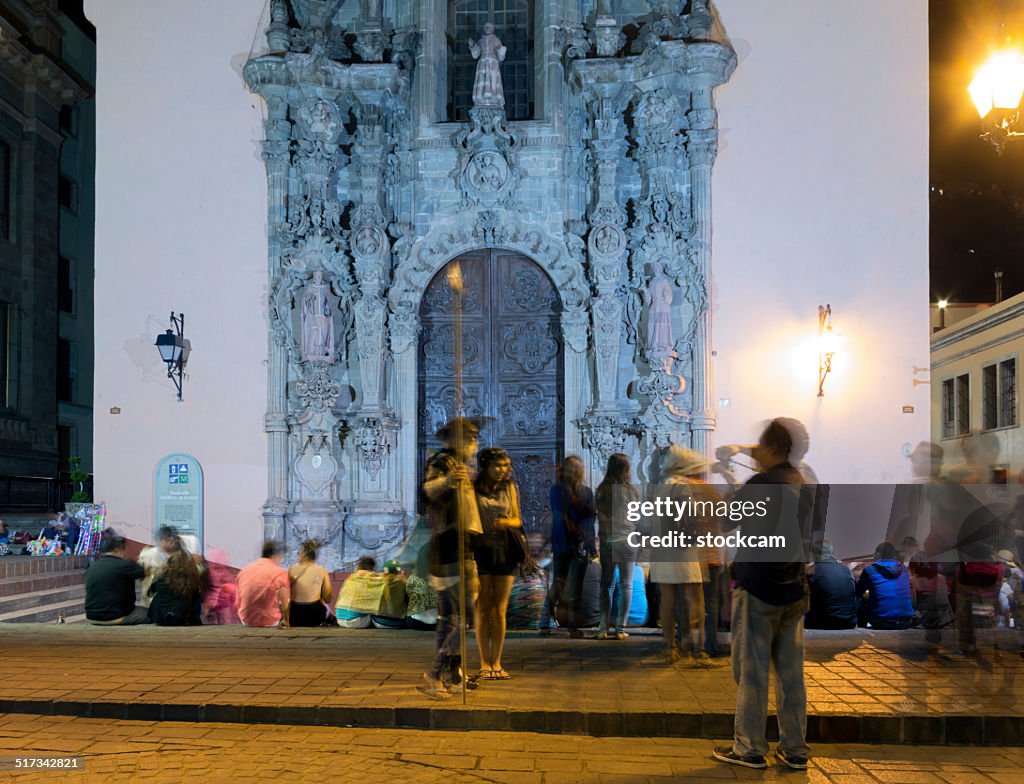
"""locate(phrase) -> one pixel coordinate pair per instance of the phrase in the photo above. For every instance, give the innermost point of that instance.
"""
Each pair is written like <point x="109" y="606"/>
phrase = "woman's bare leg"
<point x="482" y="622"/>
<point x="501" y="590"/>
<point x="668" y="614"/>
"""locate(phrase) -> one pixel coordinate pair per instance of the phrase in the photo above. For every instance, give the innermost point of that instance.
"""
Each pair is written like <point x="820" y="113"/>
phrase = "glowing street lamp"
<point x="996" y="90"/>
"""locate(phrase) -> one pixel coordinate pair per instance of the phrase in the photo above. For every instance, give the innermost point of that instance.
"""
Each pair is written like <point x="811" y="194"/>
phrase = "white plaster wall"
<point x="820" y="196"/>
<point x="180" y="225"/>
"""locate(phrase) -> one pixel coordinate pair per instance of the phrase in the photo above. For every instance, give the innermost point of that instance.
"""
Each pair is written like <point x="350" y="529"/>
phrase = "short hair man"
<point x="768" y="610"/>
<point x="110" y="586"/>
<point x="263" y="589"/>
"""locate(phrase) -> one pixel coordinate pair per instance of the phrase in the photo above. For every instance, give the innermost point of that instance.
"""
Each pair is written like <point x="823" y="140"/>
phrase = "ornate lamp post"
<point x="996" y="91"/>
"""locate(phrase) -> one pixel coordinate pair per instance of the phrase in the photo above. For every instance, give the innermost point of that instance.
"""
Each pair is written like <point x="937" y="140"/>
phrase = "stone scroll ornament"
<point x="488" y="91"/>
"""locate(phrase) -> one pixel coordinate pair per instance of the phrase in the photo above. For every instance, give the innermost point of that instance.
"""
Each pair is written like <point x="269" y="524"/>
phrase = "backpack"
<point x="980" y="574"/>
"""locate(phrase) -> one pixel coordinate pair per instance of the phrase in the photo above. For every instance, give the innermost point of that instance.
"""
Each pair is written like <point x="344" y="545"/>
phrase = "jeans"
<point x="448" y="635"/>
<point x="712" y="593"/>
<point x="566" y="588"/>
<point x="608" y="564"/>
<point x="768" y="636"/>
<point x="137" y="616"/>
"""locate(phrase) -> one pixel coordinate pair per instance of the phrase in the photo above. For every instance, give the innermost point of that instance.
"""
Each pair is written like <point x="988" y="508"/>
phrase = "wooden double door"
<point x="512" y="367"/>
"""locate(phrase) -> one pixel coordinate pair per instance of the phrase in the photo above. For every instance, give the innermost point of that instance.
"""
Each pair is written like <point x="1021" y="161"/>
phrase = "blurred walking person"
<point x="614" y="528"/>
<point x="677" y="571"/>
<point x="572" y="544"/>
<point x="451" y="508"/>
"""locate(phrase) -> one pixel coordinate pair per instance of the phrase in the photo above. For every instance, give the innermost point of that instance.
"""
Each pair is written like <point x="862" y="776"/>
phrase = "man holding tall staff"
<point x="450" y="504"/>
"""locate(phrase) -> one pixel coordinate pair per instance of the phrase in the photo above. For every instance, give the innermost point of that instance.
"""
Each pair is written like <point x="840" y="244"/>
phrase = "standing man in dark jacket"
<point x="110" y="586"/>
<point x="450" y="504"/>
<point x="768" y="609"/>
<point x="833" y="593"/>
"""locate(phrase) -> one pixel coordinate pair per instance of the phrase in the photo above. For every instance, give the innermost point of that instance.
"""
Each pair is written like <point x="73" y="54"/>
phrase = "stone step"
<point x="13" y="586"/>
<point x="35" y="599"/>
<point x="27" y="565"/>
<point x="46" y="613"/>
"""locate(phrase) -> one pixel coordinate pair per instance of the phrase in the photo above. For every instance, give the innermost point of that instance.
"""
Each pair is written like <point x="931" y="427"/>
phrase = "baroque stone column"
<point x="277" y="158"/>
<point x="609" y="418"/>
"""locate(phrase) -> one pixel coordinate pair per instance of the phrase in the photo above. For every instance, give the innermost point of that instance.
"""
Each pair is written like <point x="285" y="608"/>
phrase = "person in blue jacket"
<point x="885" y="590"/>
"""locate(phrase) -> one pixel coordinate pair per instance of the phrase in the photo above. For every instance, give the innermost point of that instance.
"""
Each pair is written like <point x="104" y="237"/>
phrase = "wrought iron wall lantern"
<point x="996" y="91"/>
<point x="826" y="346"/>
<point x="174" y="350"/>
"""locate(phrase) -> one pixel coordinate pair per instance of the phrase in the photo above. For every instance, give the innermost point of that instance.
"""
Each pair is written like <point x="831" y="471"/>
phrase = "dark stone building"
<point x="39" y="91"/>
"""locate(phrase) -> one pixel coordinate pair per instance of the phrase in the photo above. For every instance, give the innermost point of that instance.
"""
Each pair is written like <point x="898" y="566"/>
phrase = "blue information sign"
<point x="179" y="495"/>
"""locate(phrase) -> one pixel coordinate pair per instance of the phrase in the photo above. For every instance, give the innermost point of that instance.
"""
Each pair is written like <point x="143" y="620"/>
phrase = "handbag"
<point x="518" y="548"/>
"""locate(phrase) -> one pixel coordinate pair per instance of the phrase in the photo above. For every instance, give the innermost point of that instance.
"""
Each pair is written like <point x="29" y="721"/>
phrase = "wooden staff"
<point x="456" y="284"/>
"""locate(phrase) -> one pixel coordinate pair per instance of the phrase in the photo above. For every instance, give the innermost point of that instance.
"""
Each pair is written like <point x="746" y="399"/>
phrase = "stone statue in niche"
<point x="317" y="322"/>
<point x="658" y="299"/>
<point x="488" y="52"/>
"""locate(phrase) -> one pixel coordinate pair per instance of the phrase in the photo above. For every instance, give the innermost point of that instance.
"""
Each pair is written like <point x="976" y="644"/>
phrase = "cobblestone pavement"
<point x="848" y="673"/>
<point x="124" y="751"/>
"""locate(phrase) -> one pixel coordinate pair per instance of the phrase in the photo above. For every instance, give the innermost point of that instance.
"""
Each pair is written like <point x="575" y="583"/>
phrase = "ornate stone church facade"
<point x="561" y="159"/>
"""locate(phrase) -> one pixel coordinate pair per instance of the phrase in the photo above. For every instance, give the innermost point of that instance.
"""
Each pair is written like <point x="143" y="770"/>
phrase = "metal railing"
<point x="44" y="494"/>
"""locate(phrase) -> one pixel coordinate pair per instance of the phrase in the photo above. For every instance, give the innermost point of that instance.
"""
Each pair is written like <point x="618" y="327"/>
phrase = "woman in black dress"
<point x="497" y="556"/>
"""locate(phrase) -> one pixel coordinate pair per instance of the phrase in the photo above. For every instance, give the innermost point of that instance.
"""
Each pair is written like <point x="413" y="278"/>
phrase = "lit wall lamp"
<point x="174" y="350"/>
<point x="943" y="304"/>
<point x="826" y="346"/>
<point x="996" y="91"/>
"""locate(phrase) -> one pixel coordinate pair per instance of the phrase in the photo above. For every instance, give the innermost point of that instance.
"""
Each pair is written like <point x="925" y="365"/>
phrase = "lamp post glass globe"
<point x="999" y="83"/>
<point x="170" y="347"/>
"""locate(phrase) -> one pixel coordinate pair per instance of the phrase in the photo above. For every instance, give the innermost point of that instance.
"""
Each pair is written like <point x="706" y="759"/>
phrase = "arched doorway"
<point x="512" y="367"/>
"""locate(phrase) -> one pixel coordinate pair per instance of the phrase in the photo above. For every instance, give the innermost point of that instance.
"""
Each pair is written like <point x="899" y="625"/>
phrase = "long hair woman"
<point x="498" y="556"/>
<point x="310" y="588"/>
<point x="175" y="592"/>
<point x="614" y="528"/>
<point x="572" y="543"/>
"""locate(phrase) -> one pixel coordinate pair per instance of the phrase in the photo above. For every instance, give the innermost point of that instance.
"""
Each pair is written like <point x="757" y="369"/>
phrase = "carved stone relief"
<point x="360" y="225"/>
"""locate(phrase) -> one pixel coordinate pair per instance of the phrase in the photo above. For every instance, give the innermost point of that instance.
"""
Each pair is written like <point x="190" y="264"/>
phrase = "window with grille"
<point x="67" y="194"/>
<point x="963" y="405"/>
<point x="989" y="397"/>
<point x="65" y="371"/>
<point x="65" y="290"/>
<point x="513" y="24"/>
<point x="999" y="394"/>
<point x="948" y="408"/>
<point x="8" y="355"/>
<point x="5" y="191"/>
<point x="956" y="406"/>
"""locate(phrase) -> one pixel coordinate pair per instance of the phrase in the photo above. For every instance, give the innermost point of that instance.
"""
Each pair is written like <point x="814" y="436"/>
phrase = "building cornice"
<point x="39" y="68"/>
<point x="979" y="324"/>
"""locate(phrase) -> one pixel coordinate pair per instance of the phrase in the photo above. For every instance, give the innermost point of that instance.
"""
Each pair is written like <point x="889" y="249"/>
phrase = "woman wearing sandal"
<point x="497" y="556"/>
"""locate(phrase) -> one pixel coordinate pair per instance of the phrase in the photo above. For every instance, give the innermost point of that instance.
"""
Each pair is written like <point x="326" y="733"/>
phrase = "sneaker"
<point x="601" y="636"/>
<point x="620" y="635"/>
<point x="433" y="688"/>
<point x="726" y="754"/>
<point x="791" y="761"/>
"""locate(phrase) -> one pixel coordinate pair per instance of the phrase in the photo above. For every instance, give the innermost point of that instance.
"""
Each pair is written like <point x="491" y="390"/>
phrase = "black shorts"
<point x="306" y="614"/>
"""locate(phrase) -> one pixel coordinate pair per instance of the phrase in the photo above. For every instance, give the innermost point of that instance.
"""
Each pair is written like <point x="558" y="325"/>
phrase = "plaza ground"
<point x="170" y="752"/>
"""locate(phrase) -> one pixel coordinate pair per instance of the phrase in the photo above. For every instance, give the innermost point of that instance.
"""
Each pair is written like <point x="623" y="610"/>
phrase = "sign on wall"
<point x="179" y="495"/>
